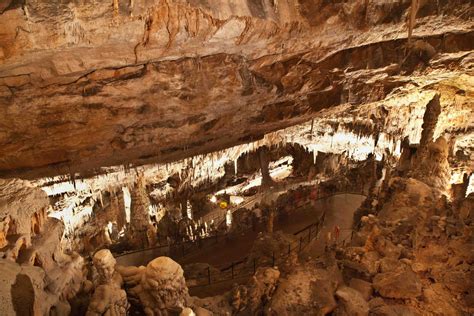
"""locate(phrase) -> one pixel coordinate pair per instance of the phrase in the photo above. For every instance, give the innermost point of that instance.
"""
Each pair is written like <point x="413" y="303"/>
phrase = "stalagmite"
<point x="108" y="297"/>
<point x="141" y="233"/>
<point x="266" y="178"/>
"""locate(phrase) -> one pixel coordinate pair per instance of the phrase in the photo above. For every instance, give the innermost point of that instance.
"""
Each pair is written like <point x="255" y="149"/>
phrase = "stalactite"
<point x="101" y="200"/>
<point x="415" y="4"/>
<point x="115" y="6"/>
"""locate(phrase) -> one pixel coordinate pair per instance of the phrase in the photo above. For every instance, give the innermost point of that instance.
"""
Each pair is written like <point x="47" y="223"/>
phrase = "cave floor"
<point x="343" y="207"/>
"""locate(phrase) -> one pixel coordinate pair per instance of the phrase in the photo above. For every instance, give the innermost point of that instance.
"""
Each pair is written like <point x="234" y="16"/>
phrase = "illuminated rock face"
<point x="36" y="276"/>
<point x="23" y="214"/>
<point x="92" y="84"/>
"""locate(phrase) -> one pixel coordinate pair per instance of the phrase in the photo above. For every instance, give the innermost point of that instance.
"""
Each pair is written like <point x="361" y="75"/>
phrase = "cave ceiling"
<point x="91" y="84"/>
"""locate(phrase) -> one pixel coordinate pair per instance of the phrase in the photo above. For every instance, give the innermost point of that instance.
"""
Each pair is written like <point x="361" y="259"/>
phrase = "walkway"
<point x="339" y="210"/>
<point x="342" y="208"/>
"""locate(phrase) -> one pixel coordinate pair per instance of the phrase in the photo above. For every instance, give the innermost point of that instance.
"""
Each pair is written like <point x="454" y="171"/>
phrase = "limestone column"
<point x="141" y="231"/>
<point x="267" y="180"/>
<point x="430" y="119"/>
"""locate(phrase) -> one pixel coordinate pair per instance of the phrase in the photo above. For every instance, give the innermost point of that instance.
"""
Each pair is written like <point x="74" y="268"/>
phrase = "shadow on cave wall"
<point x="23" y="295"/>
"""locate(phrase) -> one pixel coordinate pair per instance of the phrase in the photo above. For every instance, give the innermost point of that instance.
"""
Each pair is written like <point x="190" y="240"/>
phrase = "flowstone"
<point x="108" y="299"/>
<point x="160" y="287"/>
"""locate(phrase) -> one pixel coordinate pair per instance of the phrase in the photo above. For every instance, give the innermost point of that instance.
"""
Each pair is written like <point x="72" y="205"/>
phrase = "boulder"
<point x="363" y="287"/>
<point x="456" y="280"/>
<point x="370" y="261"/>
<point x="401" y="283"/>
<point x="389" y="264"/>
<point x="322" y="293"/>
<point x="306" y="290"/>
<point x="351" y="302"/>
<point x="187" y="312"/>
<point x="437" y="300"/>
<point x="386" y="248"/>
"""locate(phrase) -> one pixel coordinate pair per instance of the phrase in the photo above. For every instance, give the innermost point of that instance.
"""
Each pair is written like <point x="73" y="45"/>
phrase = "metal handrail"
<point x="232" y="266"/>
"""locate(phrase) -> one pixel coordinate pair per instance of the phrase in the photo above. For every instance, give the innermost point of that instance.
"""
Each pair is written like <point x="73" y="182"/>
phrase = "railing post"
<point x="208" y="275"/>
<point x="301" y="242"/>
<point x="232" y="269"/>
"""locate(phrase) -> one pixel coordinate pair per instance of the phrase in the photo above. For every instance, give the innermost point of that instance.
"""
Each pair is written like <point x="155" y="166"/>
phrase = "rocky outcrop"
<point x="363" y="287"/>
<point x="411" y="242"/>
<point x="306" y="289"/>
<point x="256" y="295"/>
<point x="22" y="208"/>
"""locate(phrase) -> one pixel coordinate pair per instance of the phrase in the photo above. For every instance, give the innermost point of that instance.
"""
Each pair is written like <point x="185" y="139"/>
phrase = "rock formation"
<point x="141" y="234"/>
<point x="281" y="60"/>
<point x="108" y="297"/>
<point x="160" y="287"/>
<point x="139" y="129"/>
<point x="259" y="291"/>
<point x="37" y="277"/>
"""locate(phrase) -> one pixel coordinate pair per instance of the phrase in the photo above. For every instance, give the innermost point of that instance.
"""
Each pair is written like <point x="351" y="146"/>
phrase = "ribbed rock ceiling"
<point x="90" y="84"/>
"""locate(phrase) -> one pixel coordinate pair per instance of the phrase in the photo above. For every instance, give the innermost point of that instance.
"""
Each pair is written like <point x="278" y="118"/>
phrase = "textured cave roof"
<point x="84" y="84"/>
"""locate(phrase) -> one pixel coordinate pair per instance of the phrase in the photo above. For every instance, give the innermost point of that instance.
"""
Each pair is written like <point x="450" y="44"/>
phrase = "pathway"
<point x="340" y="212"/>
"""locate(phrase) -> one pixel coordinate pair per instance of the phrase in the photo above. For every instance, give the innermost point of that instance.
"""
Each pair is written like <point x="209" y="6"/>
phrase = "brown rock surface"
<point x="351" y="302"/>
<point x="379" y="308"/>
<point x="401" y="283"/>
<point x="149" y="81"/>
<point x="363" y="287"/>
<point x="305" y="290"/>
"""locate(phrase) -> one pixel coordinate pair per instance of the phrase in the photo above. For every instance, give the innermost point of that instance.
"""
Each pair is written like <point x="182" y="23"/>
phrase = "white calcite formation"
<point x="37" y="278"/>
<point x="380" y="128"/>
<point x="160" y="287"/>
<point x="109" y="298"/>
<point x="141" y="233"/>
